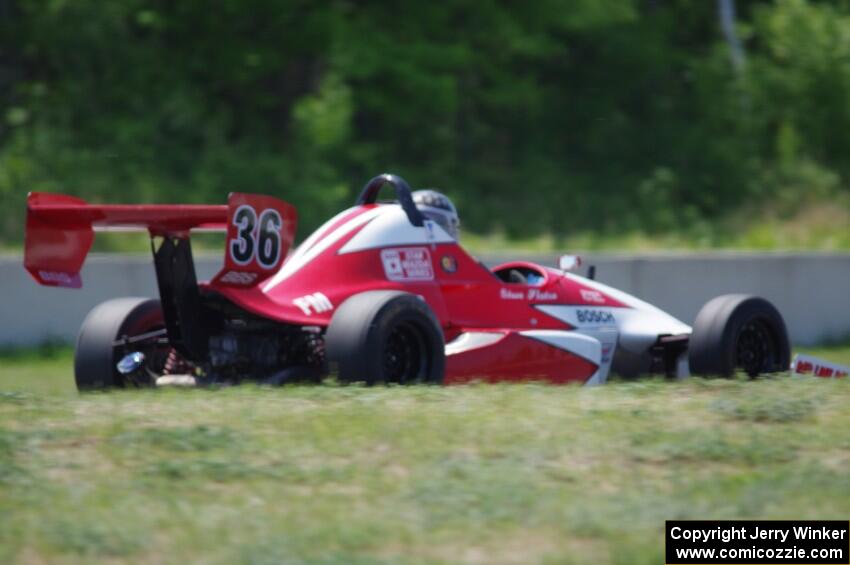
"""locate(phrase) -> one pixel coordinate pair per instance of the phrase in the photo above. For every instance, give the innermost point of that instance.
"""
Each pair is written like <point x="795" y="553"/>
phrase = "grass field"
<point x="335" y="474"/>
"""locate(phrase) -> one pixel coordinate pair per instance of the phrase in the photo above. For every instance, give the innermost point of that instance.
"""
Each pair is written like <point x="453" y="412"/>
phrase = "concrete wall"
<point x="31" y="313"/>
<point x="812" y="290"/>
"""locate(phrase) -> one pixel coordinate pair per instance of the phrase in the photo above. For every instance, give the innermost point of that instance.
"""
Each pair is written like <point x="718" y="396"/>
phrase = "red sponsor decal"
<point x="808" y="365"/>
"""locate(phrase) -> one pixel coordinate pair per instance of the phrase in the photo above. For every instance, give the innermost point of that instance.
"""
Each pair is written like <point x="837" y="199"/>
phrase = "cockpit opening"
<point x="514" y="274"/>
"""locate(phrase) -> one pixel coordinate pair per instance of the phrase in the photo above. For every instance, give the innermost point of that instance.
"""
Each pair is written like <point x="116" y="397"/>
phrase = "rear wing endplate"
<point x="60" y="231"/>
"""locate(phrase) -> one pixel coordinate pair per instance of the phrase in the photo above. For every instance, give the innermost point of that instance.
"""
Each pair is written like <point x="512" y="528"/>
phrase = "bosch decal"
<point x="595" y="317"/>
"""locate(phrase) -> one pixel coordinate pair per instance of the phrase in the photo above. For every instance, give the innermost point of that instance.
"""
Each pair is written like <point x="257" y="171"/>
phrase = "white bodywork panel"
<point x="607" y="338"/>
<point x="472" y="340"/>
<point x="587" y="347"/>
<point x="383" y="226"/>
<point x="393" y="228"/>
<point x="638" y="326"/>
<point x="317" y="243"/>
<point x="583" y="346"/>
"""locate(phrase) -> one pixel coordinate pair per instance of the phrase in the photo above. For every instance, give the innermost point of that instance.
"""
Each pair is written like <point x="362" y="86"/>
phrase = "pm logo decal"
<point x="407" y="264"/>
<point x="313" y="303"/>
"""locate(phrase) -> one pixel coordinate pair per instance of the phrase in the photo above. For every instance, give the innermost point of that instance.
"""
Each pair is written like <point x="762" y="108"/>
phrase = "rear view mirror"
<point x="569" y="262"/>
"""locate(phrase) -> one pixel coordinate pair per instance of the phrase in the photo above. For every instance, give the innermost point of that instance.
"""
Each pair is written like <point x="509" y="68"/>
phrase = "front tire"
<point x="386" y="337"/>
<point x="95" y="355"/>
<point x="738" y="332"/>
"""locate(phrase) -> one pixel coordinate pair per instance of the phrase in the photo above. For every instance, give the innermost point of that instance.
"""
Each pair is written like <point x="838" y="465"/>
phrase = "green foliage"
<point x="550" y="117"/>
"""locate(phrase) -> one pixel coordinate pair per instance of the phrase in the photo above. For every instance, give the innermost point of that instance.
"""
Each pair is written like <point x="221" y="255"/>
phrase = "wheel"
<point x="386" y="337"/>
<point x="738" y="332"/>
<point x="96" y="355"/>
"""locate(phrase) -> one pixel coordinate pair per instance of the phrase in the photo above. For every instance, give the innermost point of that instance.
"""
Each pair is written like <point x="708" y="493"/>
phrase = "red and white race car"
<point x="380" y="293"/>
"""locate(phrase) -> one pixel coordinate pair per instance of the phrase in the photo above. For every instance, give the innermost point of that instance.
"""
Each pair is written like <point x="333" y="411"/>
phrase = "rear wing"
<point x="60" y="231"/>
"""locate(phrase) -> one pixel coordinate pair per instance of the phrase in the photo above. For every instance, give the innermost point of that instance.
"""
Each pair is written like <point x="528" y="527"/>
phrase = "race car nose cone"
<point x="130" y="363"/>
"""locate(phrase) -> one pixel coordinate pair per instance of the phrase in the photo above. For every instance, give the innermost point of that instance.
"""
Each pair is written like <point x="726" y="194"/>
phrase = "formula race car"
<point x="381" y="293"/>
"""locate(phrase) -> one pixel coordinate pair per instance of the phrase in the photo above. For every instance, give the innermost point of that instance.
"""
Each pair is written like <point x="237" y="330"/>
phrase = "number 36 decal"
<point x="260" y="231"/>
<point x="257" y="239"/>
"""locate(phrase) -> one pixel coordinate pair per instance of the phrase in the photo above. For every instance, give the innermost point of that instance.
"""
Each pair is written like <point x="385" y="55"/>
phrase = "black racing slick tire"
<point x="95" y="355"/>
<point x="737" y="332"/>
<point x="389" y="337"/>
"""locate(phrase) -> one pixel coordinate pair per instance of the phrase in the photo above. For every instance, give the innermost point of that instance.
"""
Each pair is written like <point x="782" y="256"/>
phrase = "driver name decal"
<point x="407" y="264"/>
<point x="537" y="294"/>
<point x="530" y="294"/>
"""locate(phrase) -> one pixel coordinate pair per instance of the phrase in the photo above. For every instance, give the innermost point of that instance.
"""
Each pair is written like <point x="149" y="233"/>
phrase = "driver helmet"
<point x="437" y="206"/>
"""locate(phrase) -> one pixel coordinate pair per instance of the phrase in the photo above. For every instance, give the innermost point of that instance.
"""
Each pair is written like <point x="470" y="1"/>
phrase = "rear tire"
<point x="95" y="355"/>
<point x="738" y="332"/>
<point x="386" y="337"/>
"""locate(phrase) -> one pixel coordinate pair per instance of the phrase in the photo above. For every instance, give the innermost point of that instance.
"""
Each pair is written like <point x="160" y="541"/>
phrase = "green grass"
<point x="330" y="474"/>
<point x="46" y="370"/>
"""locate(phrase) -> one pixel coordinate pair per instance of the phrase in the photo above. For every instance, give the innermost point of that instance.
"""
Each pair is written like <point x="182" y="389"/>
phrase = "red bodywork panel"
<point x="517" y="358"/>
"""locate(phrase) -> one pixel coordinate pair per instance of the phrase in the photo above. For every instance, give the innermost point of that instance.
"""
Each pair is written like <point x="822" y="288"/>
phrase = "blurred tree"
<point x="726" y="9"/>
<point x="547" y="116"/>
